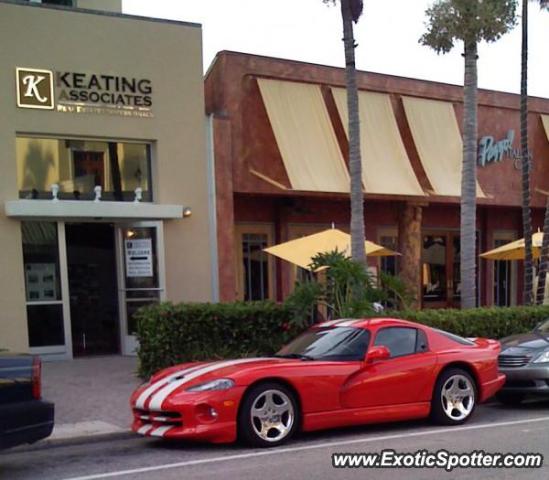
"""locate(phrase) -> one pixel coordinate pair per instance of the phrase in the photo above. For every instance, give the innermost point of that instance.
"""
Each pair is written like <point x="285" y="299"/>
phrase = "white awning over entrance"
<point x="91" y="210"/>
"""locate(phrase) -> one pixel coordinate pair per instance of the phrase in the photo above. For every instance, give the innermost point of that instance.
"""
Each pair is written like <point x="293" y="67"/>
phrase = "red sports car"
<point x="337" y="373"/>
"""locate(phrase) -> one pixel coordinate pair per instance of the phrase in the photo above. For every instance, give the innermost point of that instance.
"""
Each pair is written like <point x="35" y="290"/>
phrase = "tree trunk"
<point x="410" y="243"/>
<point x="355" y="165"/>
<point x="525" y="161"/>
<point x="469" y="180"/>
<point x="544" y="257"/>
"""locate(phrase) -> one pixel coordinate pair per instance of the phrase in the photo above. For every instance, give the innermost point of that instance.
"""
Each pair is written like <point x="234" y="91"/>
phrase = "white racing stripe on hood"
<point x="162" y="394"/>
<point x="145" y="394"/>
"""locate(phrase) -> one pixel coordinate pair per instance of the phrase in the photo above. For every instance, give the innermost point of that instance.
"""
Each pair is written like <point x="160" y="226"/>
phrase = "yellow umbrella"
<point x="515" y="250"/>
<point x="302" y="250"/>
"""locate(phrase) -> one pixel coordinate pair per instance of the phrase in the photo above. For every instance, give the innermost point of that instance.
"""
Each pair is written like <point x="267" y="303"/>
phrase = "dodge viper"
<point x="337" y="373"/>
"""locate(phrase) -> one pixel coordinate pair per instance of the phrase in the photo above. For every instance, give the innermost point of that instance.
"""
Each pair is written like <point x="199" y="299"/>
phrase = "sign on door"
<point x="139" y="258"/>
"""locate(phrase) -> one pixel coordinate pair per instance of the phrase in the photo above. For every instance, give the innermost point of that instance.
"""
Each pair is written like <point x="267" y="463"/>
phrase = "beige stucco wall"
<point x="169" y="54"/>
<point x="105" y="5"/>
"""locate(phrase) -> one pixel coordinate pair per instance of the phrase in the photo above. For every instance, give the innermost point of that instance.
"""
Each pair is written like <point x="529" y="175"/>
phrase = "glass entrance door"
<point x="91" y="264"/>
<point x="140" y="275"/>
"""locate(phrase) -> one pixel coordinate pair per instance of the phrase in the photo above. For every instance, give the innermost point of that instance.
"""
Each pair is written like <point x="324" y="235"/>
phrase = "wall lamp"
<point x="187" y="212"/>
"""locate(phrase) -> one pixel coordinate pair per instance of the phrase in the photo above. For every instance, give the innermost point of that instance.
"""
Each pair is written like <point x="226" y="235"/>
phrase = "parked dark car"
<point x="524" y="360"/>
<point x="24" y="416"/>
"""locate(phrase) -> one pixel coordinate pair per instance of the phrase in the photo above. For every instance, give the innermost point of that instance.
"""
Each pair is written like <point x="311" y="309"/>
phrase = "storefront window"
<point x="389" y="264"/>
<point x="502" y="279"/>
<point x="441" y="275"/>
<point x="256" y="266"/>
<point x="434" y="268"/>
<point x="42" y="284"/>
<point x="66" y="3"/>
<point x="78" y="166"/>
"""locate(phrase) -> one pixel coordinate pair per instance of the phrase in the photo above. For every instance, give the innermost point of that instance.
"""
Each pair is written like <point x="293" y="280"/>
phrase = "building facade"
<point x="105" y="191"/>
<point x="280" y="144"/>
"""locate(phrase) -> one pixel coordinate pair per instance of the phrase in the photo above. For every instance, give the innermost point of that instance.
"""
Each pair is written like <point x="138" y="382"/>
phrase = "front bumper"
<point x="25" y="422"/>
<point x="530" y="379"/>
<point x="201" y="416"/>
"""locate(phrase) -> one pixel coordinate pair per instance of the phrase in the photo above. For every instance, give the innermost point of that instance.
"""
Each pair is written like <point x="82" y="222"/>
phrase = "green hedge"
<point x="489" y="322"/>
<point x="170" y="334"/>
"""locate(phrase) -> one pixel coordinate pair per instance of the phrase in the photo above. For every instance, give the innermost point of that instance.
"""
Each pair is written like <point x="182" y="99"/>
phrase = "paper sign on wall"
<point x="139" y="258"/>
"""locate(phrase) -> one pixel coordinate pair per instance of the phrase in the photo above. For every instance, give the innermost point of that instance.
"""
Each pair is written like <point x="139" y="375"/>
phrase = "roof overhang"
<point x="81" y="209"/>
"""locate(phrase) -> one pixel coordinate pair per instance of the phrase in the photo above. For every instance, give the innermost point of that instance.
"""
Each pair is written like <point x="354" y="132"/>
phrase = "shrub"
<point x="490" y="322"/>
<point x="170" y="334"/>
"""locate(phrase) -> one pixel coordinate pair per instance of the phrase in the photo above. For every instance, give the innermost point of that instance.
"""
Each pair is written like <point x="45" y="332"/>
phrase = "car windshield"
<point x="543" y="327"/>
<point x="328" y="343"/>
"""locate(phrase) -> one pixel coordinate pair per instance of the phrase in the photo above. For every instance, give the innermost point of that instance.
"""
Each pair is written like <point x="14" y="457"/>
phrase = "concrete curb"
<point x="49" y="442"/>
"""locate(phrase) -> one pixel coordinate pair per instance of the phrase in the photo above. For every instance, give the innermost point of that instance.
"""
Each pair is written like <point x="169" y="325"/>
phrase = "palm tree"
<point x="526" y="217"/>
<point x="469" y="21"/>
<point x="527" y="292"/>
<point x="351" y="10"/>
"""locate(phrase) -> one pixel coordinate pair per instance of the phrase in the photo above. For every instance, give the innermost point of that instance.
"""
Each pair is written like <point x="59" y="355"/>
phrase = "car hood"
<point x="181" y="377"/>
<point x="526" y="342"/>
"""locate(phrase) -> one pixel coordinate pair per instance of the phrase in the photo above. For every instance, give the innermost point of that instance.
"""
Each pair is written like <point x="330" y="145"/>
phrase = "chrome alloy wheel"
<point x="272" y="415"/>
<point x="458" y="397"/>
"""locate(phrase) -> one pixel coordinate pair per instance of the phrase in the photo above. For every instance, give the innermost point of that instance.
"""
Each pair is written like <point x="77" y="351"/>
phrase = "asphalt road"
<point x="494" y="428"/>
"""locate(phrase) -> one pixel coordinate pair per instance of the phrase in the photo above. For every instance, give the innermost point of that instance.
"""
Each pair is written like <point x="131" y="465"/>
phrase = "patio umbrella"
<point x="302" y="250"/>
<point x="515" y="250"/>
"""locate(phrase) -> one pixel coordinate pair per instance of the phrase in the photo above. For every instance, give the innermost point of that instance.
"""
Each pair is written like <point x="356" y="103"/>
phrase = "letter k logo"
<point x="34" y="88"/>
<point x="32" y="82"/>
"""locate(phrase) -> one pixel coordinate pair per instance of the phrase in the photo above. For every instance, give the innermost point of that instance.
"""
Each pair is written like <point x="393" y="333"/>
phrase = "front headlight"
<point x="219" y="384"/>
<point x="542" y="357"/>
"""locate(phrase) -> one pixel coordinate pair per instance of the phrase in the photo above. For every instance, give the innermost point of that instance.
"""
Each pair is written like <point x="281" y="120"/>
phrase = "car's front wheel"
<point x="268" y="415"/>
<point x="454" y="398"/>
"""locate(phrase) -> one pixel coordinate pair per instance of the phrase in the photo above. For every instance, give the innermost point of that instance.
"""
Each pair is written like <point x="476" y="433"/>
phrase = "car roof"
<point x="376" y="322"/>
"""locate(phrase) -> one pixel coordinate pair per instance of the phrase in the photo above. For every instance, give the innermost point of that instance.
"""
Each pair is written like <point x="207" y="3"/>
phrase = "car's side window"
<point x="399" y="340"/>
<point x="422" y="344"/>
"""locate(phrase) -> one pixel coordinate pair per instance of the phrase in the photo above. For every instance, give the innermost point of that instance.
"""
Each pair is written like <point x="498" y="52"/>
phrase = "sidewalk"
<point x="91" y="396"/>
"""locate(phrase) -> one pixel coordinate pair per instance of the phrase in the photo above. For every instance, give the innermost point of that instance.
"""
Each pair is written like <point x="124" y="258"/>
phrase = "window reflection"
<point x="77" y="166"/>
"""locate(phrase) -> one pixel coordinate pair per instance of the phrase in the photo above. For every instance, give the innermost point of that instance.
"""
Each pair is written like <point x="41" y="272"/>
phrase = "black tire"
<point x="248" y="425"/>
<point x="438" y="403"/>
<point x="510" y="399"/>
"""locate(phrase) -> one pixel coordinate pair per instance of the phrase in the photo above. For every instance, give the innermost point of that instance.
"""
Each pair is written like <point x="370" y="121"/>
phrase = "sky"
<point x="387" y="37"/>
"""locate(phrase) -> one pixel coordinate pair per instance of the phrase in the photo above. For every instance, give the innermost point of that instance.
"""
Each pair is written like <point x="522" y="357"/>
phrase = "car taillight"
<point x="36" y="378"/>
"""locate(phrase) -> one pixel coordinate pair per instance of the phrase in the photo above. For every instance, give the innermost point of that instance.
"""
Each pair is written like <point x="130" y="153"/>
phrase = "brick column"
<point x="410" y="245"/>
<point x="224" y="209"/>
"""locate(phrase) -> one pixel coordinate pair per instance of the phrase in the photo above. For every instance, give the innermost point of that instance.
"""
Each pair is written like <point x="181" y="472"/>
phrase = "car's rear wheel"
<point x="512" y="399"/>
<point x="454" y="398"/>
<point x="268" y="415"/>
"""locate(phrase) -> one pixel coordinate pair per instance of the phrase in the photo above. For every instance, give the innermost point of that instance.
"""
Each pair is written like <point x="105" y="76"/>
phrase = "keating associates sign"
<point x="75" y="92"/>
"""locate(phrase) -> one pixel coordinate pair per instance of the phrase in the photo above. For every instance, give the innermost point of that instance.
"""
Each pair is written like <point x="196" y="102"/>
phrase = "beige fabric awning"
<point x="305" y="136"/>
<point x="386" y="167"/>
<point x="438" y="141"/>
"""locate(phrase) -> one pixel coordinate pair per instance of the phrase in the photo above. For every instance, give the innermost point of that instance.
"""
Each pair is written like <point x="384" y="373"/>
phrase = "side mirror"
<point x="380" y="352"/>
